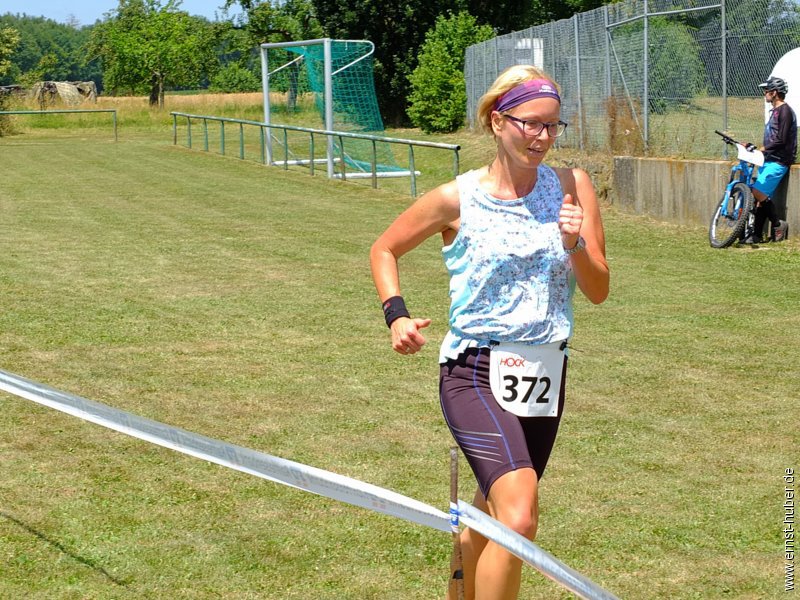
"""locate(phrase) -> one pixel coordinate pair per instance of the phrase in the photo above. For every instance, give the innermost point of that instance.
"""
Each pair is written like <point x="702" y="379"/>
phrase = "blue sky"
<point x="88" y="11"/>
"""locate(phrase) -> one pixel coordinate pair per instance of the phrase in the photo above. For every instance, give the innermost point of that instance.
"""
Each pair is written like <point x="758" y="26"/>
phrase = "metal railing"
<point x="113" y="112"/>
<point x="266" y="132"/>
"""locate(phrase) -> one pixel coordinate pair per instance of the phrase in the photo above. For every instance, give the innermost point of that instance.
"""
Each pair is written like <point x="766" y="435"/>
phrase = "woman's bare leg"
<point x="513" y="500"/>
<point x="472" y="544"/>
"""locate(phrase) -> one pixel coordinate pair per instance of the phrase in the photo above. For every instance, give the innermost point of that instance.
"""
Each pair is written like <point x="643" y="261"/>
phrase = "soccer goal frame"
<point x="329" y="74"/>
<point x="336" y="107"/>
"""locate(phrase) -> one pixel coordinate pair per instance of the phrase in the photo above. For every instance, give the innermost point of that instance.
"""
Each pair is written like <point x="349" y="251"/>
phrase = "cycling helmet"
<point x="775" y="84"/>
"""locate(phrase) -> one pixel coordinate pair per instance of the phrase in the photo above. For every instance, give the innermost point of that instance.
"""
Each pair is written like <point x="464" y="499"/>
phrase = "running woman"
<point x="517" y="237"/>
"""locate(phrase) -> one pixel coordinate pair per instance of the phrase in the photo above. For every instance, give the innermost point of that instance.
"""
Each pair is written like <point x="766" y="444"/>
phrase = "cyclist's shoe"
<point x="752" y="239"/>
<point x="781" y="232"/>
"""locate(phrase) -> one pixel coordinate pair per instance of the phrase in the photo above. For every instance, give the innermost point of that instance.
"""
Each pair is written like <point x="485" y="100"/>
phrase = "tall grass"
<point x="680" y="132"/>
<point x="137" y="114"/>
<point x="235" y="300"/>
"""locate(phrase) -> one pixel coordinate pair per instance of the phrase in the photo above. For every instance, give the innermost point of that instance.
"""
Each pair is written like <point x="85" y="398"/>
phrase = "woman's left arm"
<point x="580" y="218"/>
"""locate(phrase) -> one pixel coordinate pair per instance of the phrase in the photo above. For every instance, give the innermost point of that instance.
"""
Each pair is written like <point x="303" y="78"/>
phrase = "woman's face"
<point x="516" y="130"/>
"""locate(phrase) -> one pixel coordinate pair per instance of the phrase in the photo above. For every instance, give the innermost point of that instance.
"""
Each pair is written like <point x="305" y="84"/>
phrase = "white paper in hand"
<point x="754" y="157"/>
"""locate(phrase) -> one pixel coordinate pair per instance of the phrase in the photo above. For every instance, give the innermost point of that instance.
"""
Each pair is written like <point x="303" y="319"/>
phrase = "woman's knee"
<point x="520" y="515"/>
<point x="523" y="519"/>
<point x="513" y="500"/>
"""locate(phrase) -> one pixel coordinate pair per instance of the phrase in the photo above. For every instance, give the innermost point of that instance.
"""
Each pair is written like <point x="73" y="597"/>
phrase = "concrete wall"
<point x="688" y="191"/>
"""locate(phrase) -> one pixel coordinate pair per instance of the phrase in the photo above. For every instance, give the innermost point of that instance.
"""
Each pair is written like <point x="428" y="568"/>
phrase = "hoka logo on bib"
<point x="511" y="361"/>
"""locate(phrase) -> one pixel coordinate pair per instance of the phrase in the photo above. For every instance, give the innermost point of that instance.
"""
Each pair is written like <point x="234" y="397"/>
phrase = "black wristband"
<point x="393" y="309"/>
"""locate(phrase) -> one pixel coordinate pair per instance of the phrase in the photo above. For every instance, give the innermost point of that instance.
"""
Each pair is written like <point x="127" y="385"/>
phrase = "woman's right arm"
<point x="434" y="212"/>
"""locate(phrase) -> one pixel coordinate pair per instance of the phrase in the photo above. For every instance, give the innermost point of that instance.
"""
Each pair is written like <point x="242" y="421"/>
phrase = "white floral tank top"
<point x="510" y="279"/>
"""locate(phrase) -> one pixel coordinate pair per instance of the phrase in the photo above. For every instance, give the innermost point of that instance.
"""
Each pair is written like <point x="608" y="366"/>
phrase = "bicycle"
<point x="733" y="217"/>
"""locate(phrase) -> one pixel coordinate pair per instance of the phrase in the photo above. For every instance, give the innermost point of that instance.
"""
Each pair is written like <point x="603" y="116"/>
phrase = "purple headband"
<point x="527" y="90"/>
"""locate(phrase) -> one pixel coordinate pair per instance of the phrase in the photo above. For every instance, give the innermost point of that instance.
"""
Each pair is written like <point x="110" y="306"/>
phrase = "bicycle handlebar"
<point x="727" y="139"/>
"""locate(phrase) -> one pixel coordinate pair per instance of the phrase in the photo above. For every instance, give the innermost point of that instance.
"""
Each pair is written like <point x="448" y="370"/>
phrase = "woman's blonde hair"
<point x="508" y="79"/>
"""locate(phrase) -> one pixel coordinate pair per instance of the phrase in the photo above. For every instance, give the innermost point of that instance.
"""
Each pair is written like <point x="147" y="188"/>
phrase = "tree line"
<point x="152" y="46"/>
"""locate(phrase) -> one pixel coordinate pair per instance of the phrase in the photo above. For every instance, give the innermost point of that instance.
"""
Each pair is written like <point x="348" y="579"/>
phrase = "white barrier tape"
<point x="310" y="479"/>
<point x="540" y="559"/>
<point x="297" y="475"/>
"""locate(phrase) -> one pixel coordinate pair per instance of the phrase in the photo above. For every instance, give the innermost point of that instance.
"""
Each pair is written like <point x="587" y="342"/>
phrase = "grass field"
<point x="235" y="301"/>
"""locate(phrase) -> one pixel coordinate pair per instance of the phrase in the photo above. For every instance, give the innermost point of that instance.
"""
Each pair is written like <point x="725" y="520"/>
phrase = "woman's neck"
<point x="503" y="181"/>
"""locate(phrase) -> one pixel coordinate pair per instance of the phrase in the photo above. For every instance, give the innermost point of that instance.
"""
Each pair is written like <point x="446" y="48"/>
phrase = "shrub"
<point x="438" y="99"/>
<point x="5" y="122"/>
<point x="234" y="78"/>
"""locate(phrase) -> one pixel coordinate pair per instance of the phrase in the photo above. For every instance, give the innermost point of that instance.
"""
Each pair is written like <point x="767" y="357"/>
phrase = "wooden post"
<point x="456" y="583"/>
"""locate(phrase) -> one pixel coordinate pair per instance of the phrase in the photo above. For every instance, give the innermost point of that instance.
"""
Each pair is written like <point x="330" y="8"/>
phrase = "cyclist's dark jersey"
<point x="780" y="136"/>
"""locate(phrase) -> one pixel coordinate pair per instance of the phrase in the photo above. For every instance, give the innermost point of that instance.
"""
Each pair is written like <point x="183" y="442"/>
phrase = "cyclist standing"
<point x="780" y="147"/>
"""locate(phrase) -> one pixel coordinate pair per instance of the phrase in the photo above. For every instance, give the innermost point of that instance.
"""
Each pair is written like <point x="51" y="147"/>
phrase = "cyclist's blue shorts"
<point x="769" y="176"/>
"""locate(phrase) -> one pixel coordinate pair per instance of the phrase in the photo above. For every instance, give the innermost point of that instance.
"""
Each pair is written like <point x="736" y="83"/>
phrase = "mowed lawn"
<point x="235" y="301"/>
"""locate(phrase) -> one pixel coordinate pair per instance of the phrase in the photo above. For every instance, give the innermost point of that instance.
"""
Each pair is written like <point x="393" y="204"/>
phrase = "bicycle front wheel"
<point x="730" y="216"/>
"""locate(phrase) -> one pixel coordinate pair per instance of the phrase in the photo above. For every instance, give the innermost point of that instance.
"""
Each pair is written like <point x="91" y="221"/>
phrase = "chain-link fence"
<point x="651" y="76"/>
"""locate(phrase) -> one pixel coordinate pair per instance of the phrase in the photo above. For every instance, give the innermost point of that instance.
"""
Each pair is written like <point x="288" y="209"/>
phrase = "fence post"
<point x="609" y="91"/>
<point x="311" y="152"/>
<point x="413" y="171"/>
<point x="646" y="77"/>
<point x="533" y="48"/>
<point x="724" y="48"/>
<point x="374" y="165"/>
<point x="205" y="134"/>
<point x="496" y="58"/>
<point x="341" y="157"/>
<point x="222" y="137"/>
<point x="285" y="150"/>
<point x="608" y="50"/>
<point x="262" y="139"/>
<point x="241" y="141"/>
<point x="578" y="77"/>
<point x="485" y="62"/>
<point x="174" y="129"/>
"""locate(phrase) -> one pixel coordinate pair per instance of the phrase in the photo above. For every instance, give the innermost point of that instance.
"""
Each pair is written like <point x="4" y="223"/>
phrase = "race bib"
<point x="526" y="379"/>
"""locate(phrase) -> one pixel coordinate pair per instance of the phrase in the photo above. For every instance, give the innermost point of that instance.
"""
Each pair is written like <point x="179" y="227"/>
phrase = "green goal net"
<point x="339" y="75"/>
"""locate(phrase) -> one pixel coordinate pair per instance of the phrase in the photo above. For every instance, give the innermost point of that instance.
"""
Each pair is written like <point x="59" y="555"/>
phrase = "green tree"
<point x="507" y="16"/>
<point x="438" y="98"/>
<point x="48" y="63"/>
<point x="146" y="47"/>
<point x="9" y="38"/>
<point x="281" y="21"/>
<point x="234" y="78"/>
<point x="397" y="28"/>
<point x="759" y="33"/>
<point x="676" y="72"/>
<point x="544" y="11"/>
<point x="49" y="50"/>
